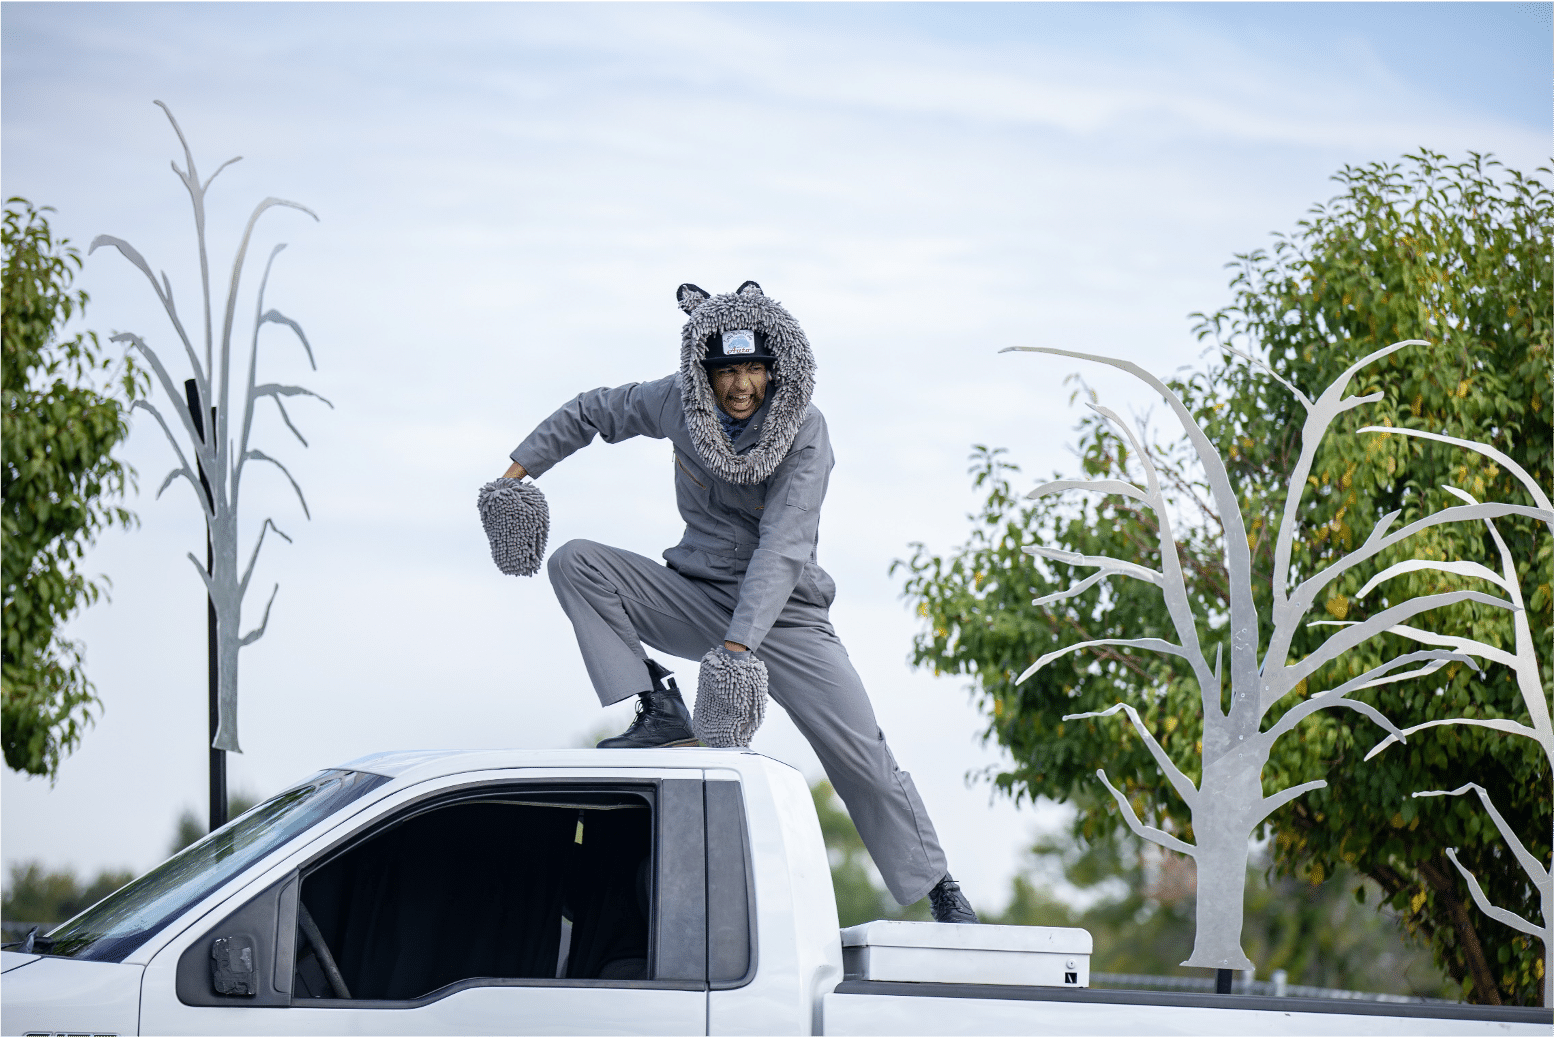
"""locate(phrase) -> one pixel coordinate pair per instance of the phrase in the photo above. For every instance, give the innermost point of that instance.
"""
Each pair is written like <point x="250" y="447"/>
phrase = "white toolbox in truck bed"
<point x="930" y="952"/>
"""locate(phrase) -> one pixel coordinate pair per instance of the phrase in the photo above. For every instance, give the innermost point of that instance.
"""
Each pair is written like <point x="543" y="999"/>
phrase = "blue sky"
<point x="508" y="196"/>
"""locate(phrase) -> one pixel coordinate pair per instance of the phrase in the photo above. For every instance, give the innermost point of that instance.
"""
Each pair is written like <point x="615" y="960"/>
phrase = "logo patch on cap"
<point x="738" y="343"/>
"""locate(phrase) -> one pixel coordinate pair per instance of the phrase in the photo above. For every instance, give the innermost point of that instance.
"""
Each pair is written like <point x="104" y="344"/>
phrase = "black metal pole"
<point x="1222" y="980"/>
<point x="218" y="757"/>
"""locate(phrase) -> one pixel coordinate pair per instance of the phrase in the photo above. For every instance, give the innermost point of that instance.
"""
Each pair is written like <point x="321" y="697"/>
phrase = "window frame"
<point x="682" y="846"/>
<point x="650" y="789"/>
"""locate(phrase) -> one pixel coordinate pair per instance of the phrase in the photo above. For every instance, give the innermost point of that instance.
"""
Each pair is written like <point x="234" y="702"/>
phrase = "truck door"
<point x="521" y="908"/>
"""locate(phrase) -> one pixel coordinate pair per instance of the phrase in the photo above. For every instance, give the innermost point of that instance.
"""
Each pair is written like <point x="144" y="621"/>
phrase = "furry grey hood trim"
<point x="730" y="698"/>
<point x="788" y="397"/>
<point x="516" y="518"/>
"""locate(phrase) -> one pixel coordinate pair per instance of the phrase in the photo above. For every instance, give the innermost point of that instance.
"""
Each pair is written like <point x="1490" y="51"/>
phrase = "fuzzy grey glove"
<point x="730" y="698"/>
<point x="517" y="522"/>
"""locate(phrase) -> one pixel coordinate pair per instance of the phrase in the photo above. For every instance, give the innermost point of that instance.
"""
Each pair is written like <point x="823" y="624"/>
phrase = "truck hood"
<point x="62" y="995"/>
<point x="14" y="960"/>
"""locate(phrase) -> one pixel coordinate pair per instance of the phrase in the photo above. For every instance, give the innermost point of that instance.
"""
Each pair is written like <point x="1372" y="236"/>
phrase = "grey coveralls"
<point x="743" y="572"/>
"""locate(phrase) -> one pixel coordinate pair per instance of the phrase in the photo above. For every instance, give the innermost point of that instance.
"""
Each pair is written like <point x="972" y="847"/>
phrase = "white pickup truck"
<point x="672" y="891"/>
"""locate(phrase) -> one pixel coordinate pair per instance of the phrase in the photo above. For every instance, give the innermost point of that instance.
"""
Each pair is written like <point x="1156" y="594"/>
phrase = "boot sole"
<point x="683" y="743"/>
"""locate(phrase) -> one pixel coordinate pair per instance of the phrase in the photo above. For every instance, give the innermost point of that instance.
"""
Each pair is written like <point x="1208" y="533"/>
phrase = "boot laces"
<point x="644" y="711"/>
<point x="945" y="893"/>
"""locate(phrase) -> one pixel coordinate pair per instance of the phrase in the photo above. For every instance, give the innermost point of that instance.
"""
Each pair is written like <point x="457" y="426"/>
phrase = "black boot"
<point x="662" y="719"/>
<point x="949" y="904"/>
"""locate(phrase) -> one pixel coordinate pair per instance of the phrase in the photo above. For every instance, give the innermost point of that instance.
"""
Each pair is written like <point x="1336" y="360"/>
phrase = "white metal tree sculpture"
<point x="1524" y="663"/>
<point x="219" y="459"/>
<point x="1228" y="803"/>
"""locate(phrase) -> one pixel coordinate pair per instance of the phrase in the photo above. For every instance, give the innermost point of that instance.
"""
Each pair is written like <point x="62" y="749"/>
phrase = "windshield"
<point x="116" y="925"/>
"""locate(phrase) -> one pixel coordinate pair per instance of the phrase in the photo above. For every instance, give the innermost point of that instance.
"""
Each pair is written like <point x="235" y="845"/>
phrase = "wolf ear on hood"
<point x="689" y="296"/>
<point x="749" y="288"/>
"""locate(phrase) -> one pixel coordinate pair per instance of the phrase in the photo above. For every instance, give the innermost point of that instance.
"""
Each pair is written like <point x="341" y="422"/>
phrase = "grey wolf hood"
<point x="793" y="378"/>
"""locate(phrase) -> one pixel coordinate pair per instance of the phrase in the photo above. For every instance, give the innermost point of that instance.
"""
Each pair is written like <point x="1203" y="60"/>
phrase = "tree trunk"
<point x="1443" y="879"/>
<point x="1222" y="859"/>
<point x="229" y="611"/>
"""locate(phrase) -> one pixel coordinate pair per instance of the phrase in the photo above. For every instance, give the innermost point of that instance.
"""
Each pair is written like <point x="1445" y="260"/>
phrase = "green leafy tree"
<point x="37" y="896"/>
<point x="190" y="829"/>
<point x="1456" y="254"/>
<point x="64" y="410"/>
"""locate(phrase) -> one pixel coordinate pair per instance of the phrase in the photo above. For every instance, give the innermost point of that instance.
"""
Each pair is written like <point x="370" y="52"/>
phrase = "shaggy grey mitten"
<point x="730" y="698"/>
<point x="517" y="522"/>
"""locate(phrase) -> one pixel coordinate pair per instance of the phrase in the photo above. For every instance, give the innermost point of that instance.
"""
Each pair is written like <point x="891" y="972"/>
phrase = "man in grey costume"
<point x="741" y="591"/>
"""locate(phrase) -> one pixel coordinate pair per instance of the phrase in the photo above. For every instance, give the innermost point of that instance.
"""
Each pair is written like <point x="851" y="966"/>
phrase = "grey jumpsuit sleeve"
<point x="790" y="528"/>
<point x="612" y="414"/>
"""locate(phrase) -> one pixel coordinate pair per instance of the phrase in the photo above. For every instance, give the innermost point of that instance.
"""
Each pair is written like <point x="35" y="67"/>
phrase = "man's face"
<point x="739" y="388"/>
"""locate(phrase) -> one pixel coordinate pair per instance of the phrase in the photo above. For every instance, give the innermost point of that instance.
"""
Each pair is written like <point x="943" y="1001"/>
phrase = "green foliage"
<point x="1140" y="915"/>
<point x="59" y="427"/>
<point x="1457" y="255"/>
<point x="191" y="828"/>
<point x="35" y="896"/>
<point x="860" y="896"/>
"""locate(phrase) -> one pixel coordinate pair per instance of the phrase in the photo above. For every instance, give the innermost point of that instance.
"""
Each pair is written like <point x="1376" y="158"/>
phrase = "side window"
<point x="513" y="884"/>
<point x="509" y="885"/>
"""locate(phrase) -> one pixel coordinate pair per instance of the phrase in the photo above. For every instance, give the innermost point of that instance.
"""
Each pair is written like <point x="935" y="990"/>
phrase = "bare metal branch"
<point x="287" y="419"/>
<point x="1105" y="562"/>
<point x="204" y="576"/>
<point x="1472" y="569"/>
<point x="1318" y="418"/>
<point x="183" y="465"/>
<point x="1364" y="631"/>
<point x="1466" y="646"/>
<point x="1527" y="481"/>
<point x="242" y="584"/>
<point x="259" y="455"/>
<point x="174" y="474"/>
<point x="276" y="317"/>
<point x="1529" y="863"/>
<point x="1335" y="696"/>
<point x="277" y="391"/>
<point x="1238" y="553"/>
<point x="1383" y="524"/>
<point x="1173" y="581"/>
<point x="1306" y="593"/>
<point x="1153" y="644"/>
<point x="1278" y="799"/>
<point x="258" y="632"/>
<point x="166" y="380"/>
<point x="164" y="294"/>
<point x="1179" y="781"/>
<point x="206" y="185"/>
<point x="1126" y="489"/>
<point x="237" y="273"/>
<point x="1142" y="830"/>
<point x="1499" y="914"/>
<point x="1077" y="589"/>
<point x="1302" y="397"/>
<point x="1508" y="726"/>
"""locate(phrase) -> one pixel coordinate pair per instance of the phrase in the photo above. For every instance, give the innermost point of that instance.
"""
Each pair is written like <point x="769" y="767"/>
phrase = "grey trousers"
<point x="617" y="600"/>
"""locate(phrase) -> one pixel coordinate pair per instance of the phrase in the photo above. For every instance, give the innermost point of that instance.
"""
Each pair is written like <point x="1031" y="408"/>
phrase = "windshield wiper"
<point x="32" y="943"/>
